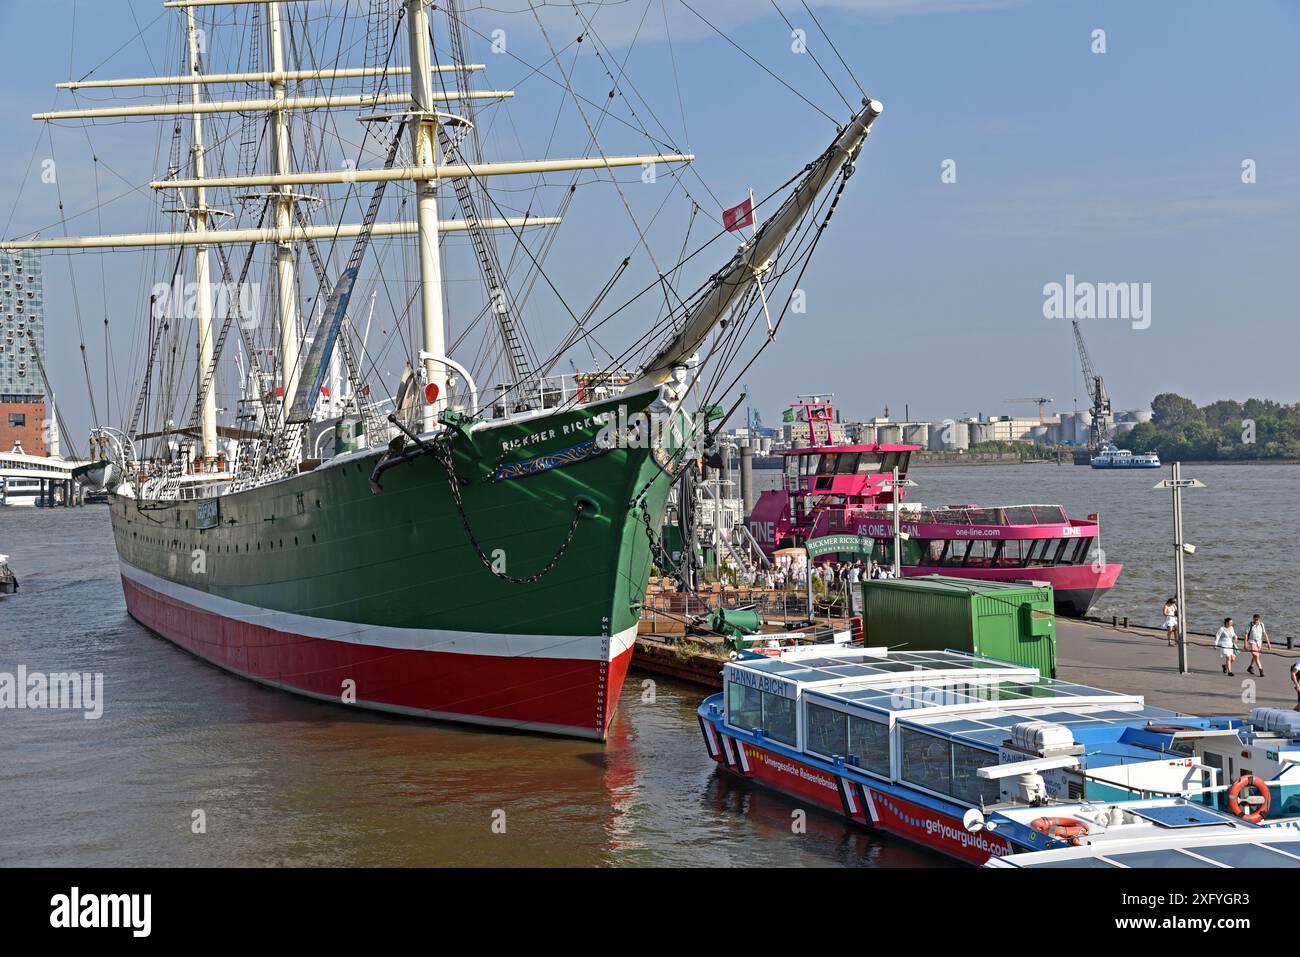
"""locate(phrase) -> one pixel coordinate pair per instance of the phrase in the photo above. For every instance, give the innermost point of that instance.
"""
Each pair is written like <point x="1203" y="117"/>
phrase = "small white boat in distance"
<point x="1112" y="458"/>
<point x="8" y="581"/>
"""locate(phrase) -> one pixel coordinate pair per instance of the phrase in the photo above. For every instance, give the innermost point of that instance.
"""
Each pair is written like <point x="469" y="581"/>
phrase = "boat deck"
<point x="1158" y="833"/>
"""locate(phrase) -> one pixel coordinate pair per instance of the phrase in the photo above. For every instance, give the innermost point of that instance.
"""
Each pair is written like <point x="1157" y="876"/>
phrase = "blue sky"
<point x="1115" y="167"/>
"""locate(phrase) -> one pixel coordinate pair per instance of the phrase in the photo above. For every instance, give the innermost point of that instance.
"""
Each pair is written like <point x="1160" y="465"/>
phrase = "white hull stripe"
<point x="740" y="753"/>
<point x="710" y="738"/>
<point x="871" y="806"/>
<point x="727" y="754"/>
<point x="850" y="799"/>
<point x="570" y="647"/>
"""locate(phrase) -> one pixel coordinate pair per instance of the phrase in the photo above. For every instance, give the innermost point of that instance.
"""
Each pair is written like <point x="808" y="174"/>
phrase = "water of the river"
<point x="1244" y="525"/>
<point x="284" y="780"/>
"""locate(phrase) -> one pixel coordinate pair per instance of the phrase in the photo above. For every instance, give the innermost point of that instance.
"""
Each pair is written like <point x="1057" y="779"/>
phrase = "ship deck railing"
<point x="550" y="392"/>
<point x="962" y="515"/>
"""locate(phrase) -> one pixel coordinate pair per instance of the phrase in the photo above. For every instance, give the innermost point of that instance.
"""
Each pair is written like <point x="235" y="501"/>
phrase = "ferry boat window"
<point x="779" y="719"/>
<point x="1080" y="555"/>
<point x="933" y="550"/>
<point x="955" y="553"/>
<point x="868" y="463"/>
<point x="770" y="713"/>
<point x="828" y="463"/>
<point x="891" y="460"/>
<point x="927" y="761"/>
<point x="828" y="731"/>
<point x="744" y="706"/>
<point x="1015" y="551"/>
<point x="967" y="786"/>
<point x="848" y="463"/>
<point x="869" y="744"/>
<point x="1038" y="551"/>
<point x="981" y="553"/>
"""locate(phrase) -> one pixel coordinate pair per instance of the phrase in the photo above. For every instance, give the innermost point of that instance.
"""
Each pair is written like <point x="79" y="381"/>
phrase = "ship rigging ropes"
<point x="173" y="387"/>
<point x="793" y="256"/>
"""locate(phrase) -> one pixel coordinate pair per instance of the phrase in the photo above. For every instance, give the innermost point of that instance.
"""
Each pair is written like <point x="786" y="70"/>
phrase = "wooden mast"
<point x="286" y="302"/>
<point x="424" y="149"/>
<point x="202" y="265"/>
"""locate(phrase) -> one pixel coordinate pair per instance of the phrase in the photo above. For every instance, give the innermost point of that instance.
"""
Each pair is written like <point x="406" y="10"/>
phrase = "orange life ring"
<point x="1069" y="828"/>
<point x="1234" y="795"/>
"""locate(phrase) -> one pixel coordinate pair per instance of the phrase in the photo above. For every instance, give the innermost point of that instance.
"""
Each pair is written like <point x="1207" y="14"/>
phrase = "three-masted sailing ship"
<point x="453" y="553"/>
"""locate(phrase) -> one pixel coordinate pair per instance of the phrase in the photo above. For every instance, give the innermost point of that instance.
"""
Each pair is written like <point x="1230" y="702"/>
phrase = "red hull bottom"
<point x="573" y="697"/>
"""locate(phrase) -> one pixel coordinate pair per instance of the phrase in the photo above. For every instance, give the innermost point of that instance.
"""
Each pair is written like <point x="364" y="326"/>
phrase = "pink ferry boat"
<point x="848" y="490"/>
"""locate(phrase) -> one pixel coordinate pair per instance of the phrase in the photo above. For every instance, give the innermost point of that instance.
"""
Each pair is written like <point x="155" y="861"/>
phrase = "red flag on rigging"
<point x="739" y="217"/>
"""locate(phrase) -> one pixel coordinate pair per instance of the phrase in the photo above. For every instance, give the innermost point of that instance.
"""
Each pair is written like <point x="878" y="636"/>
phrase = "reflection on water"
<point x="284" y="780"/>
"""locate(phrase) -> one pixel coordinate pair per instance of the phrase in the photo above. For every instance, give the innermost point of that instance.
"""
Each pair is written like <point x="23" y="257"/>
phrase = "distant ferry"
<point x="1113" y="458"/>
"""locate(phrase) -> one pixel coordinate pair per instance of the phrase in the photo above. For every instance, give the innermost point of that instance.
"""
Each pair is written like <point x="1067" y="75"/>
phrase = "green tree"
<point x="1171" y="411"/>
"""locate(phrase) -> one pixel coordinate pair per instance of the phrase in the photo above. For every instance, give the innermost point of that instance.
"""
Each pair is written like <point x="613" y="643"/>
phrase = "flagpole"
<point x="758" y="278"/>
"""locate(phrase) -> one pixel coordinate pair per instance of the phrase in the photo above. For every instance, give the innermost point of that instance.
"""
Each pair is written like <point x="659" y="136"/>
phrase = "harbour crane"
<point x="1040" y="401"/>
<point x="1099" y="429"/>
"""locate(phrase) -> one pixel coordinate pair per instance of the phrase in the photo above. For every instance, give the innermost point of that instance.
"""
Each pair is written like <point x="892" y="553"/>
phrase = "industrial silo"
<point x="889" y="434"/>
<point x="980" y="432"/>
<point x="949" y="436"/>
<point x="917" y="433"/>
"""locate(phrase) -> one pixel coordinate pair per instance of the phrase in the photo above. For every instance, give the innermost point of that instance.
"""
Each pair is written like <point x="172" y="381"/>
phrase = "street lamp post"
<point x="1176" y="483"/>
<point x="899" y="535"/>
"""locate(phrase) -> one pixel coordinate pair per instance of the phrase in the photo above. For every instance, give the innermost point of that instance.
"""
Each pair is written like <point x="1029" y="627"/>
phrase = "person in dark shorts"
<point x="1256" y="638"/>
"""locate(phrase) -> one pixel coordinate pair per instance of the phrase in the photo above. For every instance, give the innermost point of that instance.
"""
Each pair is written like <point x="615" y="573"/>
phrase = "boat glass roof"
<point x="920" y="693"/>
<point x="842" y="667"/>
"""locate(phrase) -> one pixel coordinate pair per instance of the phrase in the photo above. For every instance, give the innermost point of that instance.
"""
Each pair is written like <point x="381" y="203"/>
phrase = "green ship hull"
<point x="409" y="601"/>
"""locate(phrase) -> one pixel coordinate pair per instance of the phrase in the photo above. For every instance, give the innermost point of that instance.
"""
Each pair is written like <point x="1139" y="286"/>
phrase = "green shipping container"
<point x="1013" y="621"/>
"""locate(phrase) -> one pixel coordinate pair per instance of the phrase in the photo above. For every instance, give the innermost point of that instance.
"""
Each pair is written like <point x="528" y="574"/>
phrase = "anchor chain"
<point x="661" y="556"/>
<point x="442" y="453"/>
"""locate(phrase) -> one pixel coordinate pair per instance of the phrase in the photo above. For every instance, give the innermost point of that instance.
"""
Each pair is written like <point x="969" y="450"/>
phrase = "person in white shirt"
<point x="1256" y="638"/>
<point x="1295" y="682"/>
<point x="1170" y="613"/>
<point x="1226" y="641"/>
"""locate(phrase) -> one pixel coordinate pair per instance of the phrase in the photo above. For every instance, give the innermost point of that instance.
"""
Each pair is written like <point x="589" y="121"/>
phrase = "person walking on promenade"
<point x="1171" y="620"/>
<point x="1256" y="638"/>
<point x="1226" y="641"/>
<point x="1295" y="682"/>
